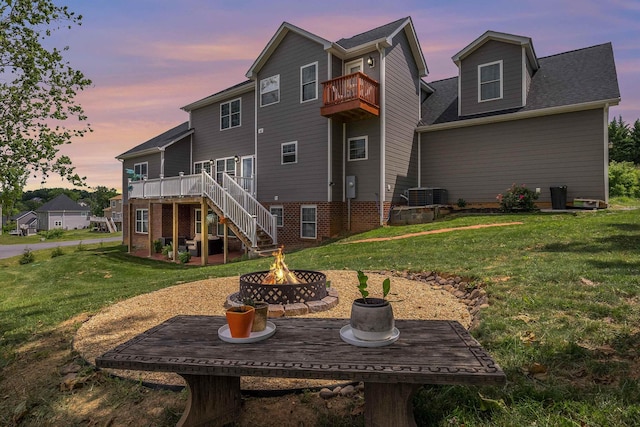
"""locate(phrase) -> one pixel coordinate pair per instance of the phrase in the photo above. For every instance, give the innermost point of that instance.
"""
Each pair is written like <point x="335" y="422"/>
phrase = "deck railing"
<point x="356" y="86"/>
<point x="236" y="204"/>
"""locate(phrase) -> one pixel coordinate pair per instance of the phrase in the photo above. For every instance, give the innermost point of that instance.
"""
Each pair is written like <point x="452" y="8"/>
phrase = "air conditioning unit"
<point x="423" y="196"/>
<point x="420" y="196"/>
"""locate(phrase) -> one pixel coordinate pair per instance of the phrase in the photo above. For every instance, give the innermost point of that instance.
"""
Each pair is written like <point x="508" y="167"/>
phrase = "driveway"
<point x="8" y="251"/>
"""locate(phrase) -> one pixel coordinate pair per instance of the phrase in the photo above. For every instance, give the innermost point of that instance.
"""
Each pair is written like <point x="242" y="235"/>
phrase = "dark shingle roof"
<point x="61" y="203"/>
<point x="371" y="35"/>
<point x="160" y="140"/>
<point x="569" y="78"/>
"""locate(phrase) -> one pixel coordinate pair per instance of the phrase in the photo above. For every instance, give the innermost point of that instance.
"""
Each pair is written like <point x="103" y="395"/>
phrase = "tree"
<point x="100" y="199"/>
<point x="635" y="142"/>
<point x="37" y="96"/>
<point x="619" y="138"/>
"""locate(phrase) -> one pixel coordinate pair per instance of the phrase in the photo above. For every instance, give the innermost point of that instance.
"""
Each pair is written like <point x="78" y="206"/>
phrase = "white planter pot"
<point x="373" y="320"/>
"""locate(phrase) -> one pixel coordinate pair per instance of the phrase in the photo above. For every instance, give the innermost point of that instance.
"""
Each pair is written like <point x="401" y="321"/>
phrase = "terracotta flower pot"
<point x="372" y="320"/>
<point x="260" y="318"/>
<point x="240" y="320"/>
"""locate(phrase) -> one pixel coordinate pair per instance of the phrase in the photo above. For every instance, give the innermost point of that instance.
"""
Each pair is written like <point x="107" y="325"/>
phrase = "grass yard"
<point x="7" y="239"/>
<point x="563" y="321"/>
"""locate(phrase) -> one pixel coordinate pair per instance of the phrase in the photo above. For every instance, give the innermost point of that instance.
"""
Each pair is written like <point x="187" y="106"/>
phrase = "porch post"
<point x="174" y="229"/>
<point x="204" y="231"/>
<point x="130" y="227"/>
<point x="149" y="232"/>
<point x="225" y="242"/>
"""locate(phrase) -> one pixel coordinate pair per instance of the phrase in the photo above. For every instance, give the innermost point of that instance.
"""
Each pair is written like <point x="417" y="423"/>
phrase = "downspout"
<point x="329" y="141"/>
<point x="383" y="134"/>
<point x="606" y="152"/>
<point x="255" y="139"/>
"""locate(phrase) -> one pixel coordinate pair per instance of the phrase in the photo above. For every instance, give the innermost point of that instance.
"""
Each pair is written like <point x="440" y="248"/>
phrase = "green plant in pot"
<point x="372" y="317"/>
<point x="260" y="317"/>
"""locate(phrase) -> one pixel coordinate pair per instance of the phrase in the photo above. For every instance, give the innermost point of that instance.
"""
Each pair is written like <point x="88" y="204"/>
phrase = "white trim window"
<point x="198" y="222"/>
<point x="270" y="90"/>
<point x="226" y="164"/>
<point x="140" y="171"/>
<point x="230" y="114"/>
<point x="490" y="81"/>
<point x="308" y="221"/>
<point x="358" y="148"/>
<point x="142" y="221"/>
<point x="309" y="82"/>
<point x="289" y="152"/>
<point x="199" y="166"/>
<point x="278" y="212"/>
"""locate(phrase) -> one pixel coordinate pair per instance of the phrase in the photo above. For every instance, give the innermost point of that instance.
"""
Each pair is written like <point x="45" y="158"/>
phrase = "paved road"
<point x="8" y="251"/>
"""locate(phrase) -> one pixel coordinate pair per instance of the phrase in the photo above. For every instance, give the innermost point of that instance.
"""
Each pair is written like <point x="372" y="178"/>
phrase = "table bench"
<point x="427" y="352"/>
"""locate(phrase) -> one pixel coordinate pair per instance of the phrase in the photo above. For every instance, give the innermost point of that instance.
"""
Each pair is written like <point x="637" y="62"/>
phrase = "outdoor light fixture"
<point x="371" y="62"/>
<point x="236" y="159"/>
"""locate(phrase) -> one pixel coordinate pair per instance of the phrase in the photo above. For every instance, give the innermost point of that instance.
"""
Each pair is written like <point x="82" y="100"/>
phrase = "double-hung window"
<point x="278" y="212"/>
<point x="226" y="165"/>
<point x="198" y="167"/>
<point x="140" y="171"/>
<point x="142" y="221"/>
<point x="309" y="82"/>
<point x="289" y="152"/>
<point x="270" y="90"/>
<point x="358" y="148"/>
<point x="490" y="81"/>
<point x="230" y="114"/>
<point x="308" y="221"/>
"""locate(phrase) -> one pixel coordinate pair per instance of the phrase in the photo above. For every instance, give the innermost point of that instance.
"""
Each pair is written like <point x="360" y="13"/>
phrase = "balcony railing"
<point x="354" y="96"/>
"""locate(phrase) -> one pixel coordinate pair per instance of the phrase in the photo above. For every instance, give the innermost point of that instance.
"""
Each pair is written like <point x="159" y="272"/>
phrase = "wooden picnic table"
<point x="427" y="352"/>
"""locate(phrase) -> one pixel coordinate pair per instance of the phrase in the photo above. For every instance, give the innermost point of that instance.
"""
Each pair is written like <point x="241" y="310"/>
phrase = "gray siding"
<point x="338" y="161"/>
<point x="402" y="115"/>
<point x="290" y="120"/>
<point x="153" y="169"/>
<point x="177" y="158"/>
<point x="492" y="51"/>
<point x="478" y="162"/>
<point x="367" y="172"/>
<point x="209" y="142"/>
<point x="337" y="67"/>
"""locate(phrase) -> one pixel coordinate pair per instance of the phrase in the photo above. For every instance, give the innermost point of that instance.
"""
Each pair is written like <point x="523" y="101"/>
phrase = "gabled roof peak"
<point x="381" y="32"/>
<point x="501" y="37"/>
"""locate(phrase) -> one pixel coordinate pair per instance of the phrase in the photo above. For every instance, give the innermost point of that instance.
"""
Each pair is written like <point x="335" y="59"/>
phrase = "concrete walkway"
<point x="8" y="251"/>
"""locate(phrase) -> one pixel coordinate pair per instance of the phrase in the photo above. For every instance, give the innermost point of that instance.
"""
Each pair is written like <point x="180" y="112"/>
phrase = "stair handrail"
<point x="265" y="220"/>
<point x="230" y="207"/>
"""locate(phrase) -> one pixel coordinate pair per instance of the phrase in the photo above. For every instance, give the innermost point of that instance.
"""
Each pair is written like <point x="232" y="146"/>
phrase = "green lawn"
<point x="564" y="319"/>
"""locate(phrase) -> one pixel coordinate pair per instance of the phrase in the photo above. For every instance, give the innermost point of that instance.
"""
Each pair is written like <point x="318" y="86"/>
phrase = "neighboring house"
<point x="62" y="212"/>
<point x="325" y="137"/>
<point x="26" y="223"/>
<point x="114" y="211"/>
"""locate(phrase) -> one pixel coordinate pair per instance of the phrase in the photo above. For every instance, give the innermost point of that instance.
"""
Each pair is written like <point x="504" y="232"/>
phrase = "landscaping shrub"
<point x="184" y="257"/>
<point x="27" y="257"/>
<point x="52" y="234"/>
<point x="57" y="252"/>
<point x="624" y="179"/>
<point x="517" y="198"/>
<point x="157" y="246"/>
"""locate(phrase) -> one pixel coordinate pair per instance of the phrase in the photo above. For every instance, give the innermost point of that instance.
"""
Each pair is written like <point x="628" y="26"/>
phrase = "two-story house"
<point x="324" y="137"/>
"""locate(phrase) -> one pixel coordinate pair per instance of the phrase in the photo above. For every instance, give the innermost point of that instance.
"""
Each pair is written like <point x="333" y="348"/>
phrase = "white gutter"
<point x="518" y="115"/>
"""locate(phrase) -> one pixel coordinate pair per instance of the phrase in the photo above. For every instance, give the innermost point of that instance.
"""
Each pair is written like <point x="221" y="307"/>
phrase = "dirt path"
<point x="442" y="230"/>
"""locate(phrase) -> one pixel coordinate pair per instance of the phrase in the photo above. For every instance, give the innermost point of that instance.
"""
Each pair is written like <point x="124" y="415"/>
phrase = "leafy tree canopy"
<point x="625" y="141"/>
<point x="37" y="96"/>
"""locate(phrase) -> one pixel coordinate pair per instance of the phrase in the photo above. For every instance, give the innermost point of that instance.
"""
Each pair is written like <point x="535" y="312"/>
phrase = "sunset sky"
<point x="148" y="58"/>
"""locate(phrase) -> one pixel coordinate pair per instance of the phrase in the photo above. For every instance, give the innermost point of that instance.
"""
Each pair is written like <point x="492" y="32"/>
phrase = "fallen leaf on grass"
<point x="524" y="317"/>
<point x="587" y="282"/>
<point x="528" y="338"/>
<point x="107" y="276"/>
<point x="536" y="370"/>
<point x="487" y="404"/>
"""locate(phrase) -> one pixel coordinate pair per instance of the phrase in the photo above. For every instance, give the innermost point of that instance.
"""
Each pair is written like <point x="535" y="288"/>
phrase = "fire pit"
<point x="288" y="292"/>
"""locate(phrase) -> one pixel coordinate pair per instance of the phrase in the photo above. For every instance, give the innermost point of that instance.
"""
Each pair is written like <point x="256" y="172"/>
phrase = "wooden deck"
<point x="427" y="352"/>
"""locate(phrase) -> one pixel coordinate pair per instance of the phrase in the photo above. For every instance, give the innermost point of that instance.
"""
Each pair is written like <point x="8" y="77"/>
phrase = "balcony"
<point x="352" y="97"/>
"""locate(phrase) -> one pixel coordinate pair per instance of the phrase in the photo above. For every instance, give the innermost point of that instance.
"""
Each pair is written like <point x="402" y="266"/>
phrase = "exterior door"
<point x="353" y="66"/>
<point x="246" y="172"/>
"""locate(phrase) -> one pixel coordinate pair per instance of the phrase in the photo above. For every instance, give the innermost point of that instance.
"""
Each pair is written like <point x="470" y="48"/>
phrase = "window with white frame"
<point x="198" y="221"/>
<point x="308" y="221"/>
<point x="230" y="114"/>
<point x="140" y="170"/>
<point x="490" y="81"/>
<point x="225" y="165"/>
<point x="270" y="90"/>
<point x="205" y="165"/>
<point x="289" y="152"/>
<point x="358" y="148"/>
<point x="309" y="82"/>
<point x="278" y="212"/>
<point x="142" y="221"/>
